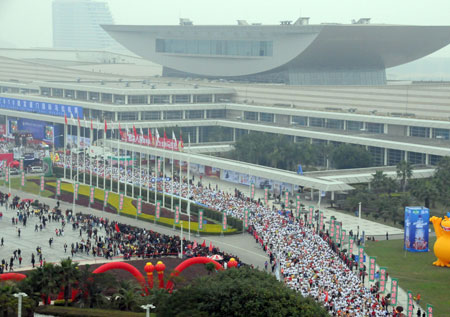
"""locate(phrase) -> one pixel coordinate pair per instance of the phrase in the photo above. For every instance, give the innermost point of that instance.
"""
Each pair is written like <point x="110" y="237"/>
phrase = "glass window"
<point x="137" y="99"/>
<point x="94" y="96"/>
<point x="335" y="124"/>
<point x="45" y="91"/>
<point x="355" y="125"/>
<point x="394" y="157"/>
<point x="57" y="92"/>
<point x="419" y="132"/>
<point x="248" y="115"/>
<point x="81" y="95"/>
<point x="223" y="98"/>
<point x="128" y="116"/>
<point x="159" y="99"/>
<point x="316" y="122"/>
<point x="202" y="98"/>
<point x="416" y="158"/>
<point x="300" y="120"/>
<point x="119" y="99"/>
<point x="68" y="93"/>
<point x="375" y="127"/>
<point x="173" y="115"/>
<point x="266" y="117"/>
<point x="181" y="98"/>
<point x="107" y="98"/>
<point x="215" y="114"/>
<point x="151" y="115"/>
<point x="215" y="47"/>
<point x="441" y="134"/>
<point x="194" y="114"/>
<point x="109" y="116"/>
<point x="434" y="159"/>
<point x="377" y="155"/>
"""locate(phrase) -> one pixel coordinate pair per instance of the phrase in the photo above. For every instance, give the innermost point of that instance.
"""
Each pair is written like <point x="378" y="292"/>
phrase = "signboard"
<point x="416" y="229"/>
<point x="286" y="199"/>
<point x="7" y="175"/>
<point x="343" y="235"/>
<point x="298" y="208"/>
<point x="394" y="292"/>
<point x="91" y="194"/>
<point x="177" y="215"/>
<point x="321" y="221"/>
<point x="41" y="107"/>
<point x="310" y="217"/>
<point x="200" y="220"/>
<point x="22" y="181"/>
<point x="372" y="266"/>
<point x="121" y="201"/>
<point x="332" y="224"/>
<point x="245" y="219"/>
<point x="105" y="199"/>
<point x="158" y="209"/>
<point x="224" y="221"/>
<point x="58" y="187"/>
<point x="383" y="279"/>
<point x="42" y="183"/>
<point x="21" y="165"/>
<point x="2" y="129"/>
<point x="163" y="143"/>
<point x="252" y="193"/>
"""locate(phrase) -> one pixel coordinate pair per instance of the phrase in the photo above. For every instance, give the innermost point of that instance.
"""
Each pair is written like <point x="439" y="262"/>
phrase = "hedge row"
<point x="85" y="312"/>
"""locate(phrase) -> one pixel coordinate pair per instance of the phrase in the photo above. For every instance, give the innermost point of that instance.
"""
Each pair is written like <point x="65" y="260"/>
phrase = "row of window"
<point x="215" y="47"/>
<point x="158" y="115"/>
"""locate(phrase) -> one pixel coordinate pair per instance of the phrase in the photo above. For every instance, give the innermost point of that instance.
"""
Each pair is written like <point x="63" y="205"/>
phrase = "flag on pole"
<point x="157" y="137"/>
<point x="150" y="137"/>
<point x="204" y="244"/>
<point x="210" y="246"/>
<point x="200" y="220"/>
<point x="65" y="119"/>
<point x="92" y="125"/>
<point x="79" y="122"/>
<point x="116" y="226"/>
<point x="135" y="133"/>
<point x="106" y="126"/>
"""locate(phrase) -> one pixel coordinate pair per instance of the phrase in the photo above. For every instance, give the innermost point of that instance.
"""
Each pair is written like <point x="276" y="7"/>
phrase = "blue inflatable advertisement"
<point x="416" y="229"/>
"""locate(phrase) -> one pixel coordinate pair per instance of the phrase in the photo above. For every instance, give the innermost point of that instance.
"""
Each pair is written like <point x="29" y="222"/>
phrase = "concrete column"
<point x="408" y="131"/>
<point x="184" y="114"/>
<point x="213" y="98"/>
<point x="148" y="99"/>
<point x="162" y="115"/>
<point x="427" y="159"/>
<point x="197" y="135"/>
<point x="234" y="134"/>
<point x="312" y="193"/>
<point x="345" y="125"/>
<point x="126" y="99"/>
<point x="431" y="133"/>
<point x="385" y="156"/>
<point x="139" y="116"/>
<point x="307" y="121"/>
<point x="170" y="98"/>
<point x="385" y="128"/>
<point x="191" y="99"/>
<point x="205" y="114"/>
<point x="405" y="156"/>
<point x="332" y="195"/>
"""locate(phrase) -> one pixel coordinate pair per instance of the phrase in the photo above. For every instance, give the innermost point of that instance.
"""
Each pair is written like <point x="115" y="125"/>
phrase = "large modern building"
<point x="76" y="24"/>
<point x="293" y="53"/>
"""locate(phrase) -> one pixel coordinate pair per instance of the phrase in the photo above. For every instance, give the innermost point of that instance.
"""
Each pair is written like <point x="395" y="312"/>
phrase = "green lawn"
<point x="415" y="272"/>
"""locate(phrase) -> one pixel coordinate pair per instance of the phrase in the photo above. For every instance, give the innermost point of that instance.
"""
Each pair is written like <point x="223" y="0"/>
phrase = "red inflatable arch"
<point x="12" y="277"/>
<point x="123" y="266"/>
<point x="185" y="264"/>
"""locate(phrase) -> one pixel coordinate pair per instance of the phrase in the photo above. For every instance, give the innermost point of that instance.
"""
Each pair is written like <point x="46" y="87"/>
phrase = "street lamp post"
<point x="19" y="308"/>
<point x="147" y="309"/>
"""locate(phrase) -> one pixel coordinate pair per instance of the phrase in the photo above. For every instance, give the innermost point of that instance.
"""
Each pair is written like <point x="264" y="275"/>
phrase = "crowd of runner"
<point x="308" y="260"/>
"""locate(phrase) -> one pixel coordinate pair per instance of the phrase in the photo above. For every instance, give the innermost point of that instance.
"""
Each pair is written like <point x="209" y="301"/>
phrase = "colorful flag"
<point x="106" y="126"/>
<point x="65" y="119"/>
<point x="42" y="183"/>
<point x="92" y="125"/>
<point x="394" y="292"/>
<point x="135" y="133"/>
<point x="177" y="215"/>
<point x="224" y="221"/>
<point x="91" y="194"/>
<point x="105" y="200"/>
<point x="383" y="280"/>
<point x="372" y="266"/>
<point x="158" y="209"/>
<point x="200" y="220"/>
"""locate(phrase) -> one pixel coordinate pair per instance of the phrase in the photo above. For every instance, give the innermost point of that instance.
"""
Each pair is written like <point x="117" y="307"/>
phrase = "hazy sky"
<point x="27" y="23"/>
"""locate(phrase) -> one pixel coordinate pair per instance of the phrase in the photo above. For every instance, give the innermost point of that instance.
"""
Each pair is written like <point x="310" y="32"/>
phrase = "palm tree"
<point x="127" y="295"/>
<point x="49" y="281"/>
<point x="93" y="287"/>
<point x="425" y="190"/>
<point x="404" y="172"/>
<point x="68" y="275"/>
<point x="379" y="182"/>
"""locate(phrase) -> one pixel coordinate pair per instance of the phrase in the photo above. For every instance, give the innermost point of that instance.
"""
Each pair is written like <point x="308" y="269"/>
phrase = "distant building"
<point x="293" y="53"/>
<point x="76" y="25"/>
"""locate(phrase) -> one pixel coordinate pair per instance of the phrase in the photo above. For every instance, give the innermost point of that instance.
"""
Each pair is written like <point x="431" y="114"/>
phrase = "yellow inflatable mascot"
<point x="442" y="244"/>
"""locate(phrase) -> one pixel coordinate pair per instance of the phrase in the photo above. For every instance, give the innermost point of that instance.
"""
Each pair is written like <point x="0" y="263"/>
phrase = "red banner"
<point x="8" y="157"/>
<point x="163" y="143"/>
<point x="2" y="128"/>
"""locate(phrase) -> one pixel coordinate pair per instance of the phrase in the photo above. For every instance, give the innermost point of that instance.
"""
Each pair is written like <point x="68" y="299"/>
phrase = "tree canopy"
<point x="238" y="292"/>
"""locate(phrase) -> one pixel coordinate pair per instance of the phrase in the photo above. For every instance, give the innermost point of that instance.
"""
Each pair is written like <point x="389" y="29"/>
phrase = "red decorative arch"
<point x="185" y="264"/>
<point x="123" y="266"/>
<point x="12" y="277"/>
